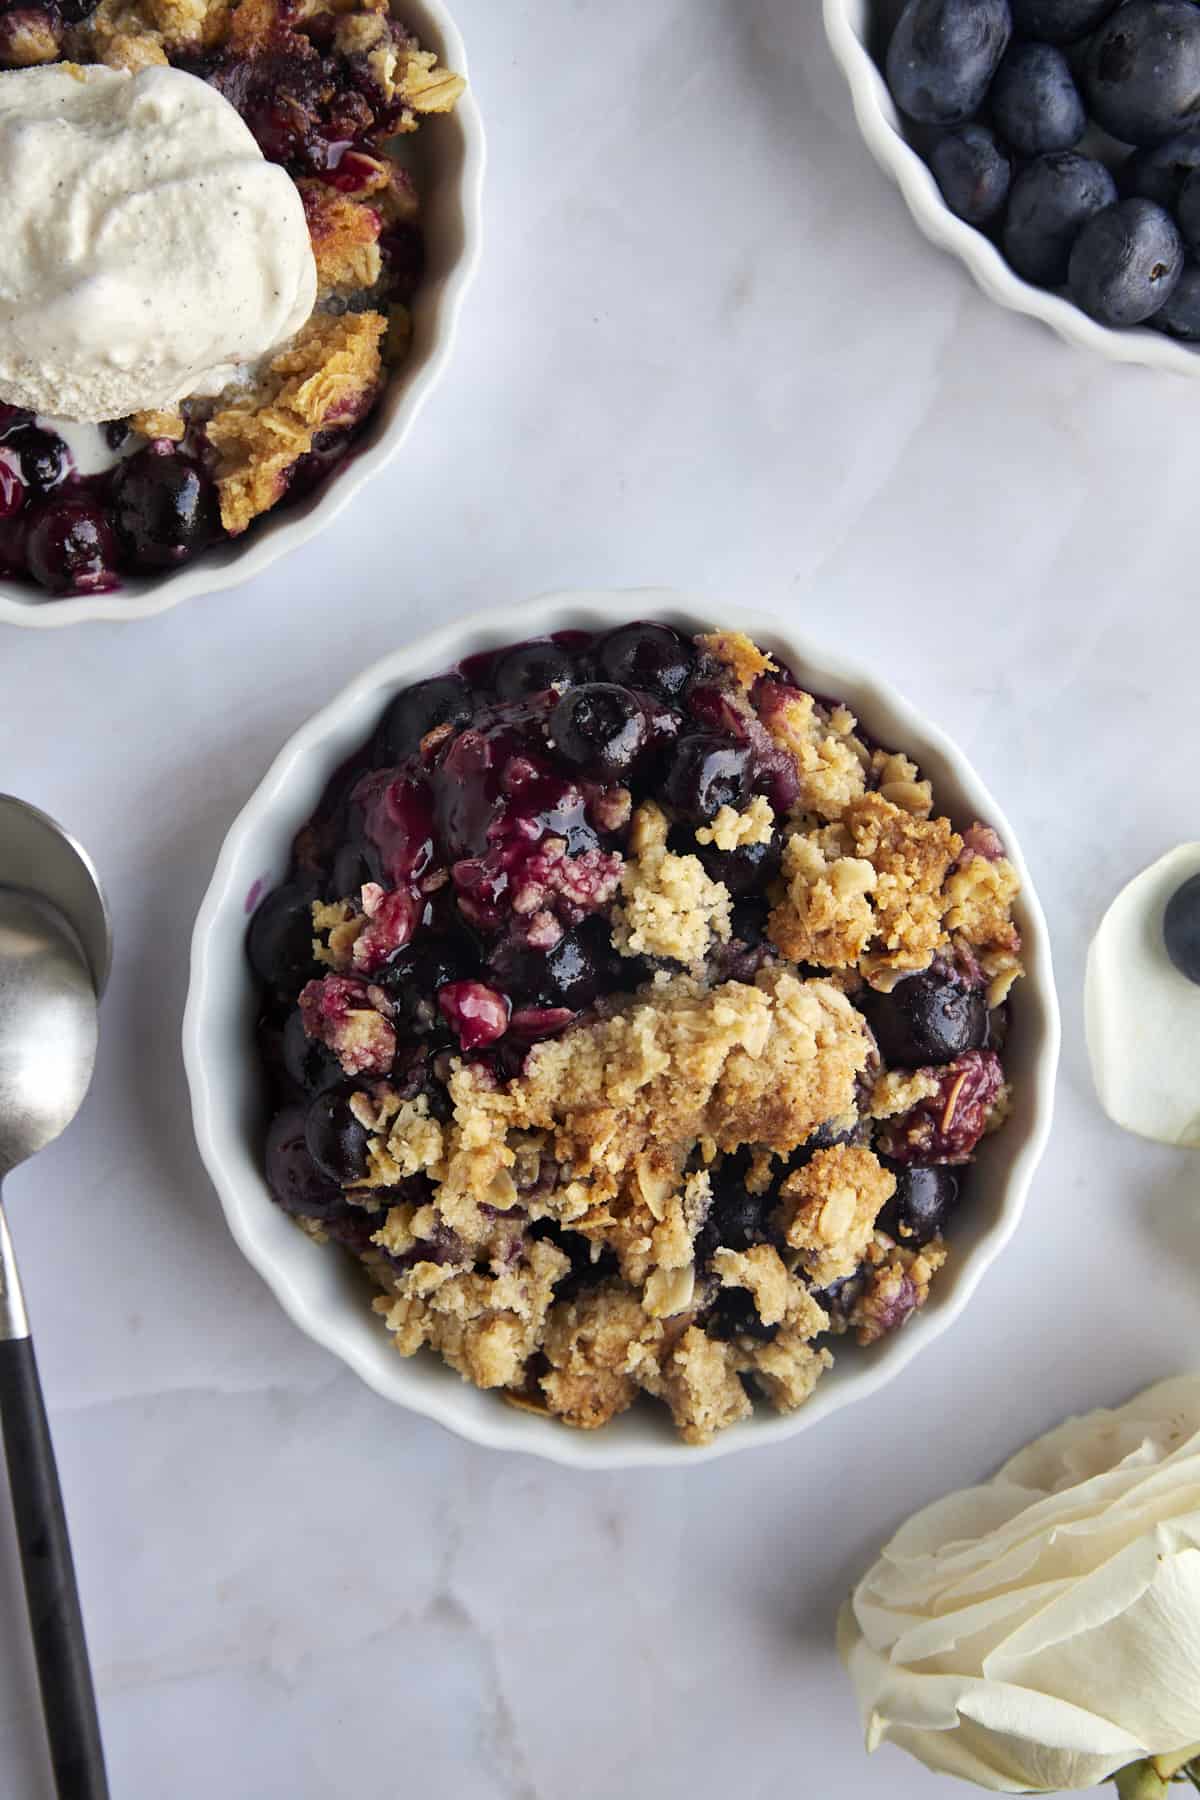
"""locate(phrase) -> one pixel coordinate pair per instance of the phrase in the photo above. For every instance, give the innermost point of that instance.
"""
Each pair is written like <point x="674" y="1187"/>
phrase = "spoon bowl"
<point x="48" y="1026"/>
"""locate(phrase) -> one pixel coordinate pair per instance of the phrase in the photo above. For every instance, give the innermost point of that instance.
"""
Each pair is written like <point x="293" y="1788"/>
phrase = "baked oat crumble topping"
<point x="633" y="1019"/>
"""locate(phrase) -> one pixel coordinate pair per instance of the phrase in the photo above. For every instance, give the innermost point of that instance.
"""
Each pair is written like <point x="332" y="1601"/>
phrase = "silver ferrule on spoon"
<point x="14" y="1321"/>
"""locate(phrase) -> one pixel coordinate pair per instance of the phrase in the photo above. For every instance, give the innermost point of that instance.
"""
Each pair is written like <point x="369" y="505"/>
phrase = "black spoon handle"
<point x="68" y="1699"/>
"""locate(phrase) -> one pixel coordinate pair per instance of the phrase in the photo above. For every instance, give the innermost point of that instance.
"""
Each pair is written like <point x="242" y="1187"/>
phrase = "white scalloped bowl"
<point x="324" y="1290"/>
<point x="846" y="25"/>
<point x="449" y="156"/>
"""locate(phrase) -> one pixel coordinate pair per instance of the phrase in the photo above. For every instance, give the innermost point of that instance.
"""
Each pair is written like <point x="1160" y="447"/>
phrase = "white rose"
<point x="1040" y="1632"/>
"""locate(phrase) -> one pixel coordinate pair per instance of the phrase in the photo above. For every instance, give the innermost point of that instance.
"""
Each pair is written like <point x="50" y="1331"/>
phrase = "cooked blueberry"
<point x="925" y="1019"/>
<point x="70" y="548"/>
<point x="1188" y="211"/>
<point x="1035" y="103"/>
<point x="1181" y="928"/>
<point x="744" y="870"/>
<point x="309" y="1063"/>
<point x="417" y="710"/>
<point x="164" y="508"/>
<point x="1059" y="21"/>
<point x="1159" y="173"/>
<point x="652" y="658"/>
<point x="1051" y="201"/>
<point x="705" y="774"/>
<point x="292" y="1176"/>
<point x="563" y="976"/>
<point x="413" y="975"/>
<point x="1180" y="316"/>
<point x="1126" y="261"/>
<point x="280" y="937"/>
<point x="1142" y="75"/>
<point x="736" y="1218"/>
<point x="918" y="1210"/>
<point x="43" y="457"/>
<point x="943" y="55"/>
<point x="354" y="864"/>
<point x="734" y="1314"/>
<point x="748" y="921"/>
<point x="973" y="172"/>
<point x="599" y="728"/>
<point x="531" y="669"/>
<point x="336" y="1141"/>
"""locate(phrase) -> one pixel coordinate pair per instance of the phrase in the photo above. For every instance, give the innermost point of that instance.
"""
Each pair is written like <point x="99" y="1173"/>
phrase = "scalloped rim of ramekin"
<point x="845" y="22"/>
<point x="226" y="1091"/>
<point x="407" y="392"/>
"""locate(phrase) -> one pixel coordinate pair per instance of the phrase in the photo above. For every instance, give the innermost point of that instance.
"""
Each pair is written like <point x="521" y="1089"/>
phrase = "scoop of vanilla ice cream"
<point x="149" y="250"/>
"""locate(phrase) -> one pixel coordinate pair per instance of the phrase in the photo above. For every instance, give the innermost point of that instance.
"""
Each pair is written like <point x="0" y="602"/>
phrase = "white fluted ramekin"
<point x="847" y="23"/>
<point x="451" y="154"/>
<point x="325" y="1291"/>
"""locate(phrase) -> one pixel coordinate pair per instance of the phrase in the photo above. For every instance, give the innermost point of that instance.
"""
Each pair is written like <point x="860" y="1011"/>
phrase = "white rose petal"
<point x="1039" y="1632"/>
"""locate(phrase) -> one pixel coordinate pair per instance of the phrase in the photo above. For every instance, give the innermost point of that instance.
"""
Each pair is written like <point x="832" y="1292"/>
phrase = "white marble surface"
<point x="707" y="348"/>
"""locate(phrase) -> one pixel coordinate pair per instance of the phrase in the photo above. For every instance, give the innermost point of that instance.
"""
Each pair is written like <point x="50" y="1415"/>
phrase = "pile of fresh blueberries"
<point x="447" y="803"/>
<point x="1069" y="131"/>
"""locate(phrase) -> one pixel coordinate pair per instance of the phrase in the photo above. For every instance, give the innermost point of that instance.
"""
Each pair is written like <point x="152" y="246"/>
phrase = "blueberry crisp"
<point x="329" y="91"/>
<point x="633" y="1016"/>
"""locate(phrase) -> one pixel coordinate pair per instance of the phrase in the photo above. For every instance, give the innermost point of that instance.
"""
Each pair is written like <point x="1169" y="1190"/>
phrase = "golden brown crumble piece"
<point x="761" y="1272"/>
<point x="484" y="1325"/>
<point x="731" y="829"/>
<point x="896" y="1286"/>
<point x="828" y="1209"/>
<point x="897" y="778"/>
<point x="980" y="892"/>
<point x="669" y="907"/>
<point x="345" y="238"/>
<point x="698" y="1379"/>
<point x="830" y="759"/>
<point x="826" y="916"/>
<point x="167" y="424"/>
<point x="739" y="654"/>
<point x="31" y="38"/>
<point x="788" y="1367"/>
<point x="593" y="1344"/>
<point x="899" y="1090"/>
<point x="911" y="858"/>
<point x="328" y="376"/>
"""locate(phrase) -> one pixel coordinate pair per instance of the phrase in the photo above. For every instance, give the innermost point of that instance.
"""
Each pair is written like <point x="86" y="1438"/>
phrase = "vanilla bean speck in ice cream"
<point x="150" y="252"/>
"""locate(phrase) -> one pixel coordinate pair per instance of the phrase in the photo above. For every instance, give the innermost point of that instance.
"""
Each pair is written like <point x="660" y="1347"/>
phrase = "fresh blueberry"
<point x="43" y="457"/>
<point x="1188" y="212"/>
<point x="652" y="658"/>
<point x="1159" y="173"/>
<point x="531" y="669"/>
<point x="310" y="1065"/>
<point x="1125" y="262"/>
<point x="280" y="938"/>
<point x="705" y="774"/>
<point x="296" y="1183"/>
<point x="925" y="1020"/>
<point x="918" y="1210"/>
<point x="1180" y="317"/>
<point x="973" y="172"/>
<point x="1035" y="103"/>
<point x="1142" y="75"/>
<point x="417" y="710"/>
<point x="600" y="728"/>
<point x="734" y="1314"/>
<point x="943" y="55"/>
<point x="70" y="547"/>
<point x="336" y="1141"/>
<point x="1051" y="201"/>
<point x="164" y="508"/>
<point x="1059" y="21"/>
<point x="1181" y="928"/>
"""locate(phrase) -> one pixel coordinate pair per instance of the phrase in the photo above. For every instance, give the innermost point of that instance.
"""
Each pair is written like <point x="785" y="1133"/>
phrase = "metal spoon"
<point x="53" y="964"/>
